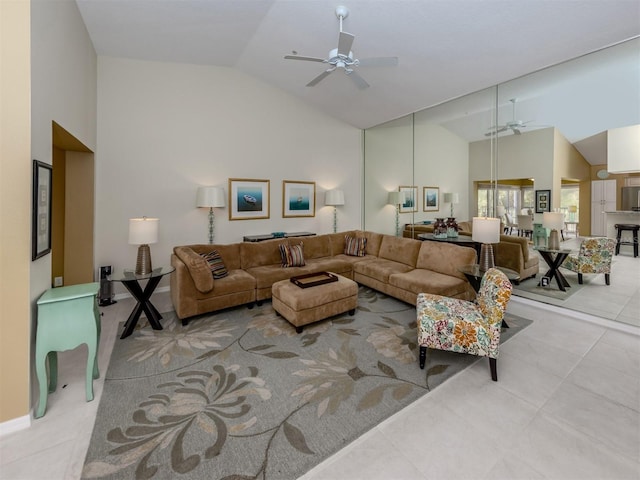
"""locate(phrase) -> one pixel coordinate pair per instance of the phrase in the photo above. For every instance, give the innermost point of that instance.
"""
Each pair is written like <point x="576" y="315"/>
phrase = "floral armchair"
<point x="465" y="327"/>
<point x="594" y="257"/>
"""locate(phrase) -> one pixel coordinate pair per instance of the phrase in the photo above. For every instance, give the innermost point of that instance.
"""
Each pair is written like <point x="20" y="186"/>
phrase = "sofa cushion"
<point x="380" y="269"/>
<point x="421" y="281"/>
<point x="236" y="281"/>
<point x="198" y="268"/>
<point x="399" y="249"/>
<point x="444" y="258"/>
<point x="218" y="269"/>
<point x="292" y="255"/>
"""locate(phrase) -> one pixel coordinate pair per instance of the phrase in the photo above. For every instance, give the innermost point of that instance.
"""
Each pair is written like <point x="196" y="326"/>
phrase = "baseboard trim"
<point x="603" y="322"/>
<point x="15" y="425"/>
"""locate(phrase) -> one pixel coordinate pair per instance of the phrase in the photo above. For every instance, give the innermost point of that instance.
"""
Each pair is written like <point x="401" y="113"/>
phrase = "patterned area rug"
<point x="529" y="288"/>
<point x="239" y="395"/>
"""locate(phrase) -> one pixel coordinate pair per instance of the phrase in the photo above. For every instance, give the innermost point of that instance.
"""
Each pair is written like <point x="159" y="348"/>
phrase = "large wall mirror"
<point x="543" y="131"/>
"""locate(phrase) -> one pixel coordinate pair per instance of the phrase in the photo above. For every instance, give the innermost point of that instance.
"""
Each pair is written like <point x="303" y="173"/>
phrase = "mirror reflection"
<point x="532" y="145"/>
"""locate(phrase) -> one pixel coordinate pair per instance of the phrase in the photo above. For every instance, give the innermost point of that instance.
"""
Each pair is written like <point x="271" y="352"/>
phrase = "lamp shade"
<point x="500" y="210"/>
<point x="143" y="231"/>
<point x="334" y="197"/>
<point x="210" y="197"/>
<point x="486" y="230"/>
<point x="396" y="198"/>
<point x="553" y="220"/>
<point x="451" y="198"/>
<point x="573" y="208"/>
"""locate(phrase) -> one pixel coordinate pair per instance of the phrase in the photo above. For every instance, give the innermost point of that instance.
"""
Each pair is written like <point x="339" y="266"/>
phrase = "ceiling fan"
<point x="342" y="57"/>
<point x="514" y="125"/>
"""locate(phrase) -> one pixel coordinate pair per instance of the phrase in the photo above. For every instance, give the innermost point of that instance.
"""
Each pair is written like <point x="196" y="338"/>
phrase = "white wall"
<point x="441" y="160"/>
<point x="63" y="89"/>
<point x="623" y="149"/>
<point x="165" y="129"/>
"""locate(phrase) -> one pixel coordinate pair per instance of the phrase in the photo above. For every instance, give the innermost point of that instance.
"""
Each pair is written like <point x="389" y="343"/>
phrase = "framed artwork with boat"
<point x="248" y="199"/>
<point x="298" y="199"/>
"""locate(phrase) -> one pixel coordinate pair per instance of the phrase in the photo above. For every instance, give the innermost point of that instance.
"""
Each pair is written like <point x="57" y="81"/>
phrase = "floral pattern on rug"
<point x="254" y="399"/>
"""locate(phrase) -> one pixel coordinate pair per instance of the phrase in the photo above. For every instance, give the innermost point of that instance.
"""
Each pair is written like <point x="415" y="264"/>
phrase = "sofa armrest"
<point x="198" y="268"/>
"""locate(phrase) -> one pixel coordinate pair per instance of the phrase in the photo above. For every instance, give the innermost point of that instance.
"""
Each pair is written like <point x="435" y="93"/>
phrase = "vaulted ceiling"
<point x="445" y="48"/>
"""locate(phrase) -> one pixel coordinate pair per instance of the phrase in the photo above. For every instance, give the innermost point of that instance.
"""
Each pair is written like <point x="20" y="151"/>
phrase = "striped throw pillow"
<point x="218" y="270"/>
<point x="291" y="255"/>
<point x="355" y="246"/>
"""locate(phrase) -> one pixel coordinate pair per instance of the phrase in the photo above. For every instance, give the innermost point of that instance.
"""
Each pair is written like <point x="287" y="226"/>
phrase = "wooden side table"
<point x="67" y="317"/>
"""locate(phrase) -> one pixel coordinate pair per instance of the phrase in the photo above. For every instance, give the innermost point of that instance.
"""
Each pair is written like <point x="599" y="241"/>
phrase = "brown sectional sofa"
<point x="399" y="267"/>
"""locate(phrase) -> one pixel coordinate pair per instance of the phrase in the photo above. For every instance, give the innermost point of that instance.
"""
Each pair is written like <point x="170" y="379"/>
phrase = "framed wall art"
<point x="410" y="199"/>
<point x="298" y="199"/>
<point x="430" y="199"/>
<point x="543" y="201"/>
<point x="248" y="199"/>
<point x="41" y="216"/>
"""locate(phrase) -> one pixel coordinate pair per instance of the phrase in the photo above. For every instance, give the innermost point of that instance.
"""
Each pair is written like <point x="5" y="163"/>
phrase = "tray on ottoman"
<point x="314" y="279"/>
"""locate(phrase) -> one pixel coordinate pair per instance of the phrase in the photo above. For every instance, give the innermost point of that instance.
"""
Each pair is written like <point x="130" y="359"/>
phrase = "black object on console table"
<point x="271" y="236"/>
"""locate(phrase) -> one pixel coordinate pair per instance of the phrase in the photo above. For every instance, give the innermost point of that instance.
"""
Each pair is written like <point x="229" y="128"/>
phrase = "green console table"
<point x="67" y="317"/>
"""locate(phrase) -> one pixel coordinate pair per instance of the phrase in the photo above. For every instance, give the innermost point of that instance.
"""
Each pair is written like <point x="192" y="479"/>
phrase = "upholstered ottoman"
<point x="302" y="306"/>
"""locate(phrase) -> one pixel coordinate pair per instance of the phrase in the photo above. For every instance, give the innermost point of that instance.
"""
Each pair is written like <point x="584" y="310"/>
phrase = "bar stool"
<point x="67" y="317"/>
<point x="621" y="227"/>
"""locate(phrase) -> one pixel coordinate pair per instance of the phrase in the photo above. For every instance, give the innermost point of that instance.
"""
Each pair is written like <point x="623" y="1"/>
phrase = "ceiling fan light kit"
<point x="343" y="58"/>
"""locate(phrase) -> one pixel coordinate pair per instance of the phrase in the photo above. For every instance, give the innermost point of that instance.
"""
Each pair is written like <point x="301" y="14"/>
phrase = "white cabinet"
<point x="603" y="199"/>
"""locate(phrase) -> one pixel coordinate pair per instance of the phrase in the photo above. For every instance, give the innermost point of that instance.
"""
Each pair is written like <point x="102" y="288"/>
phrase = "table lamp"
<point x="453" y="199"/>
<point x="397" y="199"/>
<point x="142" y="232"/>
<point x="210" y="197"/>
<point x="486" y="231"/>
<point x="334" y="198"/>
<point x="554" y="221"/>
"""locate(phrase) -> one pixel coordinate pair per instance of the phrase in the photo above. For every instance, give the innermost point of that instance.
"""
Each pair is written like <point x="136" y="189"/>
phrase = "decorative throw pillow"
<point x="218" y="270"/>
<point x="355" y="246"/>
<point x="291" y="255"/>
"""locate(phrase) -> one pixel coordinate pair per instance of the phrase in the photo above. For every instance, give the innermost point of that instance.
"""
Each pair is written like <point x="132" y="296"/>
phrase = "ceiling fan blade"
<point x="320" y="77"/>
<point x="307" y="59"/>
<point x="357" y="79"/>
<point x="494" y="131"/>
<point x="379" y="62"/>
<point x="344" y="43"/>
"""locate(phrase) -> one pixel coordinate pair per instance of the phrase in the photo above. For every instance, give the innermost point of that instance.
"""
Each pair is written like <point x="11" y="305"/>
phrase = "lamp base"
<point x="143" y="263"/>
<point x="486" y="257"/>
<point x="554" y="240"/>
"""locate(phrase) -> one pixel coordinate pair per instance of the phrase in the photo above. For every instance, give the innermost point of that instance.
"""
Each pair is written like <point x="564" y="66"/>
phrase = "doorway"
<point x="72" y="207"/>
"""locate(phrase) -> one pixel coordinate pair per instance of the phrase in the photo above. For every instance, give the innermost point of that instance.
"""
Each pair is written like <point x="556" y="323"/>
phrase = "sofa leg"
<point x="259" y="303"/>
<point x="185" y="322"/>
<point x="352" y="312"/>
<point x="251" y="305"/>
<point x="580" y="278"/>
<point x="298" y="329"/>
<point x="423" y="356"/>
<point x="494" y="369"/>
<point x="607" y="279"/>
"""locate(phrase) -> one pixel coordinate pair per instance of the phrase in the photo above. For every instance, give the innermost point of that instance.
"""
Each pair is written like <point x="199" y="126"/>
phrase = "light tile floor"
<point x="566" y="406"/>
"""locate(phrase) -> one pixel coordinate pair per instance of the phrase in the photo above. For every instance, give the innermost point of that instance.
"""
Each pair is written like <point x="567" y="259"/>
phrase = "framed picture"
<point x="298" y="199"/>
<point x="410" y="199"/>
<point x="431" y="199"/>
<point x="543" y="201"/>
<point x="41" y="216"/>
<point x="248" y="199"/>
